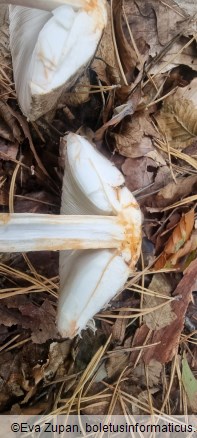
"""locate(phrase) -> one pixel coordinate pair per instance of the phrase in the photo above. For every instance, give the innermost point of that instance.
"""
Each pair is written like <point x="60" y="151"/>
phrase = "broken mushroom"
<point x="51" y="43"/>
<point x="99" y="214"/>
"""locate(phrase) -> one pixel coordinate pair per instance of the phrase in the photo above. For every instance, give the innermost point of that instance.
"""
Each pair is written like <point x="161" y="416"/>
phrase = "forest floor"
<point x="140" y="109"/>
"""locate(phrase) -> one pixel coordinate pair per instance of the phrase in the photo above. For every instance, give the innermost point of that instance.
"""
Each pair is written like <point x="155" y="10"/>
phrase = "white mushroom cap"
<point x="90" y="278"/>
<point x="49" y="49"/>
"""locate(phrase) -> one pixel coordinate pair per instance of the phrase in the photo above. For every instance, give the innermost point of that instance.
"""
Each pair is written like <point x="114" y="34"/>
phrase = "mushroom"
<point x="51" y="43"/>
<point x="100" y="225"/>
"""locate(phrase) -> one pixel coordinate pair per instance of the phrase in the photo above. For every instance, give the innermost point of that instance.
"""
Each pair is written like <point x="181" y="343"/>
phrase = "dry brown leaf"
<point x="157" y="157"/>
<point x="8" y="151"/>
<point x="40" y="320"/>
<point x="162" y="317"/>
<point x="177" y="118"/>
<point x="25" y="127"/>
<point x="116" y="363"/>
<point x="178" y="238"/>
<point x="58" y="353"/>
<point x="5" y="132"/>
<point x="119" y="328"/>
<point x="172" y="192"/>
<point x="136" y="172"/>
<point x="6" y="114"/>
<point x="119" y="114"/>
<point x="78" y="94"/>
<point x="169" y="336"/>
<point x="190" y="245"/>
<point x="154" y="369"/>
<point x="6" y="81"/>
<point x="126" y="52"/>
<point x="167" y="339"/>
<point x="144" y="398"/>
<point x="148" y="20"/>
<point x="133" y="139"/>
<point x="105" y="56"/>
<point x="35" y="202"/>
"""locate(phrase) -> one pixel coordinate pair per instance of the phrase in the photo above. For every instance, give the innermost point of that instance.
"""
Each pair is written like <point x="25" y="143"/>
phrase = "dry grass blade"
<point x="36" y="285"/>
<point x="185" y="201"/>
<point x="177" y="154"/>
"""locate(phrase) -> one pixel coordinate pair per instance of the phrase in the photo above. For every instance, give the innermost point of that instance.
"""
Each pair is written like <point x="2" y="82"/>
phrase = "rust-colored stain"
<point x="72" y="331"/>
<point x="133" y="235"/>
<point x="91" y="5"/>
<point x="75" y="244"/>
<point x="4" y="218"/>
<point x="97" y="9"/>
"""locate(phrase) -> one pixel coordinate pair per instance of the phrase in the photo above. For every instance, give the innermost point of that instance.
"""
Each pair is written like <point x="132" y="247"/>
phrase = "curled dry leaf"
<point x="176" y="241"/>
<point x="164" y="316"/>
<point x="177" y="118"/>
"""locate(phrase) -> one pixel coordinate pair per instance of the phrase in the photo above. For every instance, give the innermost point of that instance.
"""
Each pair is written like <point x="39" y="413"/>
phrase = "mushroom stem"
<point x="46" y="5"/>
<point x="43" y="232"/>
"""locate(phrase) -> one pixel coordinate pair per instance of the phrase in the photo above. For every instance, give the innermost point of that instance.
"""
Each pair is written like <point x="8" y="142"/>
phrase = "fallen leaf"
<point x="153" y="369"/>
<point x="126" y="52"/>
<point x="105" y="56"/>
<point x="188" y="248"/>
<point x="119" y="328"/>
<point x="78" y="94"/>
<point x="168" y="338"/>
<point x="162" y="317"/>
<point x="137" y="174"/>
<point x="177" y="118"/>
<point x="6" y="80"/>
<point x="58" y="352"/>
<point x="190" y="384"/>
<point x="119" y="114"/>
<point x="35" y="202"/>
<point x="26" y="133"/>
<point x="147" y="21"/>
<point x="8" y="151"/>
<point x="172" y="192"/>
<point x="9" y="119"/>
<point x="144" y="398"/>
<point x="134" y="136"/>
<point x="116" y="363"/>
<point x="40" y="320"/>
<point x="179" y="236"/>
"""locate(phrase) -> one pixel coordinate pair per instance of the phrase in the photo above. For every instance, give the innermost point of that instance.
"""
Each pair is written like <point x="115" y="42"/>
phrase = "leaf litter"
<point x="137" y="101"/>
